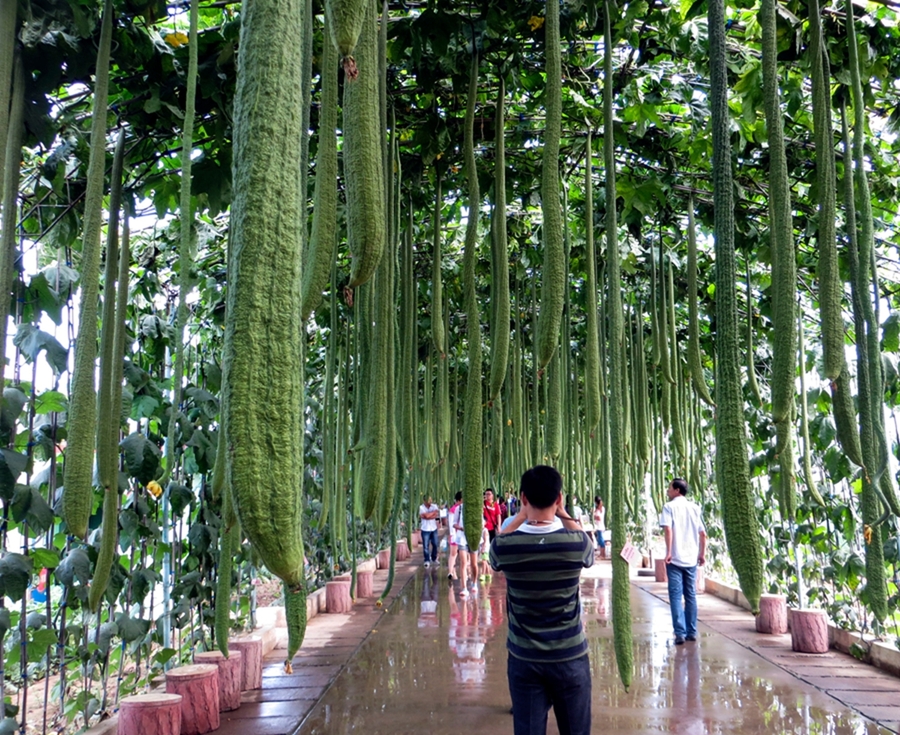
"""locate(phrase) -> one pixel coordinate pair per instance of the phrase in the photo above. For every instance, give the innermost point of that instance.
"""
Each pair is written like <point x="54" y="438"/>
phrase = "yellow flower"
<point x="154" y="488"/>
<point x="867" y="534"/>
<point x="535" y="22"/>
<point x="175" y="40"/>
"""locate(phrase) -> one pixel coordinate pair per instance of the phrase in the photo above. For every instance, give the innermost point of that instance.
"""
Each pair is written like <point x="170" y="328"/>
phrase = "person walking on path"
<point x="491" y="514"/>
<point x="685" y="551"/>
<point x="599" y="518"/>
<point x="542" y="552"/>
<point x="451" y="536"/>
<point x="428" y="513"/>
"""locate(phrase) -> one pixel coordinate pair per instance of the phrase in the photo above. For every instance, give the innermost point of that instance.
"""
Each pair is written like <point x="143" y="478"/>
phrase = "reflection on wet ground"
<point x="437" y="664"/>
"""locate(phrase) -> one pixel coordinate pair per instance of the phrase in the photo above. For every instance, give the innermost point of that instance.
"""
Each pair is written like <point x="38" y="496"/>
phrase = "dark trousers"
<point x="430" y="538"/>
<point x="536" y="687"/>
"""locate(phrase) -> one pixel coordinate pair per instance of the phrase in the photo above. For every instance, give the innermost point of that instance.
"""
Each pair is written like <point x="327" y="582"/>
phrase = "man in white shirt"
<point x="685" y="550"/>
<point x="428" y="513"/>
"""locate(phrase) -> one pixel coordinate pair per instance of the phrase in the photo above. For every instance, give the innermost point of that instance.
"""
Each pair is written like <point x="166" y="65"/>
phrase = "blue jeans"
<point x="683" y="583"/>
<point x="535" y="687"/>
<point x="430" y="537"/>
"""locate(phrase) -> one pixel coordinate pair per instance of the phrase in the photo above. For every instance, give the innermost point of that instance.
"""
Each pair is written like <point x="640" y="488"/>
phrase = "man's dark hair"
<point x="458" y="496"/>
<point x="541" y="485"/>
<point x="680" y="485"/>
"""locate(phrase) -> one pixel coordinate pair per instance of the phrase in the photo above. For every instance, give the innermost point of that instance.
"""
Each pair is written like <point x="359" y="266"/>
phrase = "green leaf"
<point x="12" y="464"/>
<point x="14" y="401"/>
<point x="41" y="641"/>
<point x="131" y="629"/>
<point x="180" y="497"/>
<point x="45" y="558"/>
<point x="76" y="565"/>
<point x="201" y="537"/>
<point x="15" y="576"/>
<point x="29" y="505"/>
<point x="141" y="457"/>
<point x="51" y="401"/>
<point x="5" y="622"/>
<point x="105" y="636"/>
<point x="31" y="341"/>
<point x="890" y="333"/>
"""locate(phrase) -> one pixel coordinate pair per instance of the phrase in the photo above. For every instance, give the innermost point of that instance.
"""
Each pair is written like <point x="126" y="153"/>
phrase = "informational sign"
<point x="628" y="552"/>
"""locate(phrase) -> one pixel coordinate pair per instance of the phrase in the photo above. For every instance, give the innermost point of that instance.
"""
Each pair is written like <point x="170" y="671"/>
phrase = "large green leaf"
<point x="15" y="576"/>
<point x="32" y="341"/>
<point x="29" y="505"/>
<point x="12" y="464"/>
<point x="76" y="566"/>
<point x="141" y="457"/>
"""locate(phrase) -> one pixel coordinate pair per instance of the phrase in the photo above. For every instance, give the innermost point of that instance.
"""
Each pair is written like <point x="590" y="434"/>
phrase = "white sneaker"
<point x="427" y="564"/>
<point x="464" y="592"/>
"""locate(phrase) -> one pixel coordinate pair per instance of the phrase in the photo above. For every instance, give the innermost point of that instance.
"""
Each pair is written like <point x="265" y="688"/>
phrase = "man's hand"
<point x="518" y="519"/>
<point x="701" y="560"/>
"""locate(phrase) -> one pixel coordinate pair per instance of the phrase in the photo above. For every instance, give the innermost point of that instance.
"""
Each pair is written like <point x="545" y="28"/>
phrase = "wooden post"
<point x="251" y="661"/>
<point x="402" y="551"/>
<point x="337" y="597"/>
<point x="198" y="686"/>
<point x="659" y="570"/>
<point x="772" y="616"/>
<point x="230" y="676"/>
<point x="150" y="714"/>
<point x="809" y="631"/>
<point x="364" y="584"/>
<point x="383" y="559"/>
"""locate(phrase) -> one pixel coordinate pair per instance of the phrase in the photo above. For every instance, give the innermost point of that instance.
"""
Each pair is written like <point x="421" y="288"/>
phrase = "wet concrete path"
<point x="436" y="664"/>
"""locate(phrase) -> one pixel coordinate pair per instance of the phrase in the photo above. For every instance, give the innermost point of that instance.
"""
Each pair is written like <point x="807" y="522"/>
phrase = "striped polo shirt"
<point x="543" y="569"/>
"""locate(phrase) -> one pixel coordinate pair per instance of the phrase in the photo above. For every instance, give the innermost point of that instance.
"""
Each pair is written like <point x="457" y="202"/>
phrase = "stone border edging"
<point x="881" y="655"/>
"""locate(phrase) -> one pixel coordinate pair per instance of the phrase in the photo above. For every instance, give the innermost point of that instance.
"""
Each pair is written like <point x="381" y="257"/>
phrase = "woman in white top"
<point x="599" y="523"/>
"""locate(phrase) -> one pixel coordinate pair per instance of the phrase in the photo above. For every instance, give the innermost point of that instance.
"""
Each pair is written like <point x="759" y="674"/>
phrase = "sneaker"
<point x="691" y="638"/>
<point x="427" y="564"/>
<point x="464" y="592"/>
<point x="679" y="641"/>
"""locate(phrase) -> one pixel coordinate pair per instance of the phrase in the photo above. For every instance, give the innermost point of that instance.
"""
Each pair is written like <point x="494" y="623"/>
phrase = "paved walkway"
<point x="436" y="663"/>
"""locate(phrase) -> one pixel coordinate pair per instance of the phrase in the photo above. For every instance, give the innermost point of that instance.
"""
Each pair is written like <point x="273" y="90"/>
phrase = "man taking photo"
<point x="542" y="552"/>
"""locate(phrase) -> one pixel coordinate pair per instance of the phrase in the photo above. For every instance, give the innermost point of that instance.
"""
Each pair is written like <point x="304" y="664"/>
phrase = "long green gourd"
<point x="553" y="439"/>
<point x="678" y="376"/>
<point x="306" y="73"/>
<point x="408" y="352"/>
<point x="364" y="157"/>
<point x="263" y="337"/>
<point x="7" y="48"/>
<point x="361" y="99"/>
<point x="108" y="416"/>
<point x="386" y="334"/>
<point x="665" y="358"/>
<point x="738" y="508"/>
<point x="323" y="239"/>
<point x="473" y="429"/>
<point x="751" y="352"/>
<point x="784" y="268"/>
<point x="186" y="215"/>
<point x="9" y="176"/>
<point x="82" y="420"/>
<point x="592" y="408"/>
<point x="347" y="19"/>
<point x="811" y="486"/>
<point x="553" y="275"/>
<point x="500" y="281"/>
<point x="827" y="271"/>
<point x="868" y="349"/>
<point x="621" y="587"/>
<point x="858" y="194"/>
<point x="695" y="359"/>
<point x="437" y="286"/>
